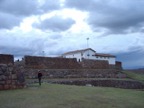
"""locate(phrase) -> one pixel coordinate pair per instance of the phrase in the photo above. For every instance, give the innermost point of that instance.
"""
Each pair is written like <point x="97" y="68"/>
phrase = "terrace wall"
<point x="36" y="62"/>
<point x="75" y="73"/>
<point x="6" y="59"/>
<point x="69" y="68"/>
<point x="50" y="63"/>
<point x="127" y="84"/>
<point x="94" y="64"/>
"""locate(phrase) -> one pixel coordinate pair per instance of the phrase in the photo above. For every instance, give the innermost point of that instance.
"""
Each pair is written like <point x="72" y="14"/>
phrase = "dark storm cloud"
<point x="17" y="51"/>
<point x="133" y="58"/>
<point x="117" y="16"/>
<point x="19" y="7"/>
<point x="16" y="10"/>
<point x="55" y="23"/>
<point x="8" y="21"/>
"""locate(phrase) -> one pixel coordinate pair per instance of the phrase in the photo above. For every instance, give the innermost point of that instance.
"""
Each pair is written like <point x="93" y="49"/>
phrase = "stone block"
<point x="3" y="68"/>
<point x="1" y="73"/>
<point x="13" y="87"/>
<point x="6" y="59"/>
<point x="6" y="87"/>
<point x="8" y="82"/>
<point x="14" y="82"/>
<point x="2" y="77"/>
<point x="1" y="87"/>
<point x="2" y="82"/>
<point x="14" y="76"/>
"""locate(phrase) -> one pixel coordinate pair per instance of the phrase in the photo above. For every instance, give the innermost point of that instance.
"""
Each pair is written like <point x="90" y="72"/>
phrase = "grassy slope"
<point x="132" y="75"/>
<point x="64" y="96"/>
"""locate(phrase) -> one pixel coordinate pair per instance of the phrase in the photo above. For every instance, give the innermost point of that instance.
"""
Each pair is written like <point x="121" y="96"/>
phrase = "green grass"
<point x="135" y="76"/>
<point x="65" y="96"/>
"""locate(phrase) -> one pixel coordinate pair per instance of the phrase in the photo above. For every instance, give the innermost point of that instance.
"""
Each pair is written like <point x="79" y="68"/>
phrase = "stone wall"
<point x="75" y="73"/>
<point x="6" y="59"/>
<point x="36" y="62"/>
<point x="95" y="64"/>
<point x="118" y="65"/>
<point x="11" y="77"/>
<point x="69" y="68"/>
<point x="127" y="84"/>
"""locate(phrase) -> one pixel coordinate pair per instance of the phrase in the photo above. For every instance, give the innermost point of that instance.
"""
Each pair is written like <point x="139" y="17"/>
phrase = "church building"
<point x="89" y="54"/>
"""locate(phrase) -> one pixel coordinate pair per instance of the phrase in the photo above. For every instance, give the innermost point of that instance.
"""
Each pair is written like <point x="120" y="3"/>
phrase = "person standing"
<point x="39" y="77"/>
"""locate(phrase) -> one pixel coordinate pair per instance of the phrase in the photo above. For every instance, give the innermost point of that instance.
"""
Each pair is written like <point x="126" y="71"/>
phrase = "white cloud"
<point x="55" y="23"/>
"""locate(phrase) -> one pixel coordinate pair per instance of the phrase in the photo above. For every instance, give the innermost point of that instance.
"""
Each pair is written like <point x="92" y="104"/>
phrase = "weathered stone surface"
<point x="14" y="76"/>
<point x="2" y="82"/>
<point x="2" y="77"/>
<point x="94" y="64"/>
<point x="36" y="62"/>
<point x="1" y="87"/>
<point x="3" y="68"/>
<point x="6" y="59"/>
<point x="9" y="80"/>
<point x="6" y="87"/>
<point x="21" y="77"/>
<point x="75" y="73"/>
<point x="129" y="84"/>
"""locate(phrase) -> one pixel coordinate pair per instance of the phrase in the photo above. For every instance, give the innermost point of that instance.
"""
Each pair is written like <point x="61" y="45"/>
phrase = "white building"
<point x="89" y="54"/>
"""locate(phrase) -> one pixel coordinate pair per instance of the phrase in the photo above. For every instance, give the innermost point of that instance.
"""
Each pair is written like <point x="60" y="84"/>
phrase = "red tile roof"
<point x="104" y="55"/>
<point x="83" y="50"/>
<point x="77" y="51"/>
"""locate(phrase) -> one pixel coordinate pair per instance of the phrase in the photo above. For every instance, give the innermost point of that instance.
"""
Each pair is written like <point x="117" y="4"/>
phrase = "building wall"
<point x="111" y="60"/>
<point x="89" y="54"/>
<point x="76" y="55"/>
<point x="80" y="55"/>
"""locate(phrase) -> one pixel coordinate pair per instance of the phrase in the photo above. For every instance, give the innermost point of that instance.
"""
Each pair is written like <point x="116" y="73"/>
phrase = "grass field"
<point x="66" y="96"/>
<point x="135" y="76"/>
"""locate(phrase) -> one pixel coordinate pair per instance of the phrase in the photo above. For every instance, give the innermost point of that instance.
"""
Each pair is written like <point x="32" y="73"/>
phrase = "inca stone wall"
<point x="127" y="84"/>
<point x="69" y="68"/>
<point x="36" y="62"/>
<point x="118" y="65"/>
<point x="6" y="59"/>
<point x="11" y="77"/>
<point x="75" y="73"/>
<point x="50" y="63"/>
<point x="95" y="64"/>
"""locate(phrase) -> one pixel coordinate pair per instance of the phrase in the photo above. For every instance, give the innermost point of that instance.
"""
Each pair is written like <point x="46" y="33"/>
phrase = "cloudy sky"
<point x="52" y="27"/>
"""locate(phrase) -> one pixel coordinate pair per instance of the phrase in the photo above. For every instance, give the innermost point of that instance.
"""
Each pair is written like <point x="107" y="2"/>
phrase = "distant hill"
<point x="138" y="71"/>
